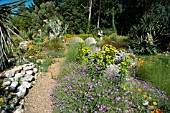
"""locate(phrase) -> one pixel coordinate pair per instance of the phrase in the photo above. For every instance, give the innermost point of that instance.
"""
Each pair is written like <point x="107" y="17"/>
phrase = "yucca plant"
<point x="6" y="30"/>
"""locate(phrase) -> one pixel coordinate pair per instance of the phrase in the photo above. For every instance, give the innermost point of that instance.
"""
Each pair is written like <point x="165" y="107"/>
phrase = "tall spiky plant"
<point x="6" y="29"/>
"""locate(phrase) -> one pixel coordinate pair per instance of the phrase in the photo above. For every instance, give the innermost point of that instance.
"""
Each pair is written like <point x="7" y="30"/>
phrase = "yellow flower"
<point x="139" y="90"/>
<point x="154" y="103"/>
<point x="151" y="108"/>
<point x="1" y="99"/>
<point x="144" y="96"/>
<point x="152" y="112"/>
<point x="150" y="98"/>
<point x="12" y="93"/>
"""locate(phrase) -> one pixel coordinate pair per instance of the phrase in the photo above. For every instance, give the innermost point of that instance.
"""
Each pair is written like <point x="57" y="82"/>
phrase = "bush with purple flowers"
<point x="81" y="89"/>
<point x="79" y="93"/>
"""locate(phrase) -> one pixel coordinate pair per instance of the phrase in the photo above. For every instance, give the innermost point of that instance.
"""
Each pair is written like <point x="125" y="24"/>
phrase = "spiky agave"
<point x="6" y="29"/>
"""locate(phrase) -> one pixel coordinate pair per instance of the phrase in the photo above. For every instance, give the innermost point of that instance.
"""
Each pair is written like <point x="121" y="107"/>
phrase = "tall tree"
<point x="98" y="18"/>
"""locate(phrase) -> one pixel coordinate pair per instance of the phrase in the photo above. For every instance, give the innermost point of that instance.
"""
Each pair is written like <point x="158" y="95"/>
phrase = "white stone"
<point x="11" y="79"/>
<point x="19" y="109"/>
<point x="18" y="75"/>
<point x="13" y="85"/>
<point x="23" y="72"/>
<point x="76" y="40"/>
<point x="7" y="88"/>
<point x="26" y="84"/>
<point x="7" y="83"/>
<point x="9" y="73"/>
<point x="21" y="91"/>
<point x="17" y="69"/>
<point x="33" y="82"/>
<point x="28" y="68"/>
<point x="35" y="70"/>
<point x="90" y="41"/>
<point x="21" y="102"/>
<point x="29" y="72"/>
<point x="27" y="78"/>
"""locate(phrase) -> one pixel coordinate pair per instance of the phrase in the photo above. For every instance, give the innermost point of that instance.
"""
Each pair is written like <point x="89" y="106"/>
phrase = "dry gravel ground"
<point x="38" y="98"/>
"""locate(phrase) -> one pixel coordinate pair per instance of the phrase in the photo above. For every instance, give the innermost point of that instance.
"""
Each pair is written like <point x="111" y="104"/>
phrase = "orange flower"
<point x="152" y="112"/>
<point x="154" y="103"/>
<point x="38" y="61"/>
<point x="4" y="85"/>
<point x="144" y="96"/>
<point x="1" y="99"/>
<point x="50" y="71"/>
<point x="159" y="111"/>
<point x="139" y="90"/>
<point x="15" y="38"/>
<point x="140" y="61"/>
<point x="152" y="108"/>
<point x="67" y="39"/>
<point x="150" y="98"/>
<point x="36" y="55"/>
<point x="30" y="47"/>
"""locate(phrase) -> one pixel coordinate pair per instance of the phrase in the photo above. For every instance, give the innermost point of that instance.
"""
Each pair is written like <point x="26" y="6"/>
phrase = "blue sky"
<point x="6" y="1"/>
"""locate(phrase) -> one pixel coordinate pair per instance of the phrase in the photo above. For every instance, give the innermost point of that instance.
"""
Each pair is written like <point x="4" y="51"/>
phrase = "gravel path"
<point x="38" y="98"/>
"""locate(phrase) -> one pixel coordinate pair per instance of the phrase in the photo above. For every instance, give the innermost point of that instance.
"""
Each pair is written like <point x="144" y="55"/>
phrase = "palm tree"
<point x="6" y="29"/>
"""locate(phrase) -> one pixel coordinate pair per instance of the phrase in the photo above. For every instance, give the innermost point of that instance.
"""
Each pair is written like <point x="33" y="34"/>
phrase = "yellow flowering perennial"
<point x="139" y="90"/>
<point x="150" y="98"/>
<point x="144" y="96"/>
<point x="154" y="103"/>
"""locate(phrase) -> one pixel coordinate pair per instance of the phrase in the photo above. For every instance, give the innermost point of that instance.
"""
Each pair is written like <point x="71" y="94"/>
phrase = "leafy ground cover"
<point x="88" y="88"/>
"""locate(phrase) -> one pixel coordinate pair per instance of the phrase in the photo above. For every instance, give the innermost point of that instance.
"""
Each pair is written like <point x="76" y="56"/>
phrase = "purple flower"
<point x="92" y="98"/>
<point x="108" y="77"/>
<point x="84" y="107"/>
<point x="101" y="107"/>
<point x="131" y="103"/>
<point x="98" y="95"/>
<point x="117" y="98"/>
<point x="108" y="90"/>
<point x="65" y="89"/>
<point x="119" y="109"/>
<point x="90" y="87"/>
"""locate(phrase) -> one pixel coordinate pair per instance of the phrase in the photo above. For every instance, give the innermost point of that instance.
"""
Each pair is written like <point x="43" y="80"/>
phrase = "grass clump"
<point x="155" y="69"/>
